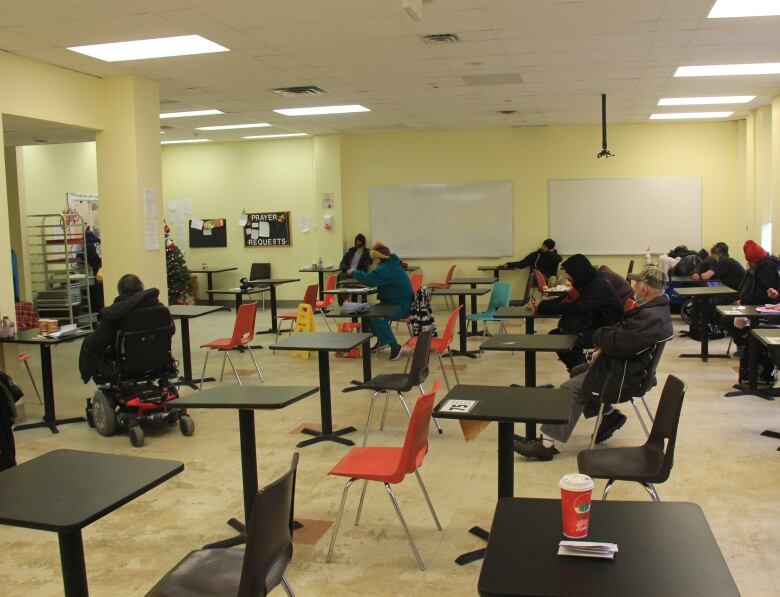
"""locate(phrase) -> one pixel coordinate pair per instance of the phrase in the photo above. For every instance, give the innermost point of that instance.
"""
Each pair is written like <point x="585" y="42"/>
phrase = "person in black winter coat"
<point x="96" y="359"/>
<point x="593" y="303"/>
<point x="356" y="257"/>
<point x="620" y="367"/>
<point x="545" y="259"/>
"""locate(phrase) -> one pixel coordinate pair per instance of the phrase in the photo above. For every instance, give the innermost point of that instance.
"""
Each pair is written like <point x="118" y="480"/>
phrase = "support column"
<point x="327" y="179"/>
<point x="774" y="165"/>
<point x="129" y="164"/>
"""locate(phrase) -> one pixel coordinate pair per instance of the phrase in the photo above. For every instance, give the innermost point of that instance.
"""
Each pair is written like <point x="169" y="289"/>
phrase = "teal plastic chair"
<point x="498" y="298"/>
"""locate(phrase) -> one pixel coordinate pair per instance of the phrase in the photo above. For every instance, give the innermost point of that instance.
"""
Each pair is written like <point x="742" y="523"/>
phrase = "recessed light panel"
<point x="700" y="101"/>
<point x="276" y="136"/>
<point x="689" y="115"/>
<point x="184" y="141"/>
<point x="227" y="127"/>
<point x="322" y="110"/>
<point x="724" y="9"/>
<point x="143" y="49"/>
<point x="725" y="70"/>
<point x="190" y="113"/>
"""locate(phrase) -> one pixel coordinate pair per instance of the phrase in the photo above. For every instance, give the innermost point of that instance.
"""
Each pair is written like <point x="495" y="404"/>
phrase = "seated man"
<point x="96" y="359"/>
<point x="619" y="367"/>
<point x="591" y="304"/>
<point x="545" y="259"/>
<point x="393" y="288"/>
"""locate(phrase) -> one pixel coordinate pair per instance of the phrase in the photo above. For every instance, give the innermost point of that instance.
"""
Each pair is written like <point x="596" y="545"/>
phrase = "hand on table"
<point x="695" y="277"/>
<point x="772" y="293"/>
<point x="534" y="305"/>
<point x="349" y="272"/>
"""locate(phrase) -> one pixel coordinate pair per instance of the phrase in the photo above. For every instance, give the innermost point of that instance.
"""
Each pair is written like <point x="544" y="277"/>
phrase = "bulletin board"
<point x="267" y="229"/>
<point x="208" y="233"/>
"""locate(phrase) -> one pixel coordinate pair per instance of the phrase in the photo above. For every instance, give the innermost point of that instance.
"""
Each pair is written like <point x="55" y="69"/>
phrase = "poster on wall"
<point x="208" y="233"/>
<point x="268" y="229"/>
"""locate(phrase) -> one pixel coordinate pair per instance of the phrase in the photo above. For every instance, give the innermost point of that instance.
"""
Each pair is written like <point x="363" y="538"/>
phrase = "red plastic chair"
<point x="390" y="466"/>
<point x="541" y="283"/>
<point x="416" y="281"/>
<point x="322" y="306"/>
<point x="441" y="345"/>
<point x="445" y="284"/>
<point x="310" y="298"/>
<point x="243" y="334"/>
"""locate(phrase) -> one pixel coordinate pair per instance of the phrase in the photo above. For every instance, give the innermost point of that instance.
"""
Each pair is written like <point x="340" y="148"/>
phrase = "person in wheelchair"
<point x="129" y="357"/>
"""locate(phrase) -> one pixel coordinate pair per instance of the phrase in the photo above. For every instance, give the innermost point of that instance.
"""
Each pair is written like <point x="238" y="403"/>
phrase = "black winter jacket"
<point x="545" y="261"/>
<point x="758" y="280"/>
<point x="363" y="264"/>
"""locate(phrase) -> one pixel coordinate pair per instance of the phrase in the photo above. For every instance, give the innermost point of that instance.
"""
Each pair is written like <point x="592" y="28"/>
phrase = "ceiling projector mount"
<point x="604" y="153"/>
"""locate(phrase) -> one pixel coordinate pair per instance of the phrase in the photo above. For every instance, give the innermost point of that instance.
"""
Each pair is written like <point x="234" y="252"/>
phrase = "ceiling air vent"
<point x="299" y="91"/>
<point x="439" y="39"/>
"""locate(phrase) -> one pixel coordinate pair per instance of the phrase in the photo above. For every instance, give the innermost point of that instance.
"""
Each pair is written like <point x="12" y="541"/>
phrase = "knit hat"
<point x="753" y="251"/>
<point x="379" y="251"/>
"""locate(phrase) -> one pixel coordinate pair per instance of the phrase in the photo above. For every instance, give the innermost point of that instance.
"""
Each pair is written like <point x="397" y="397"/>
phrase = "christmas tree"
<point x="179" y="283"/>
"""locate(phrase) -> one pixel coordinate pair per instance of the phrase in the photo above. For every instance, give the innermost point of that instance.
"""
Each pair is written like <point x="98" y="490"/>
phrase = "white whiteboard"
<point x="444" y="220"/>
<point x="624" y="216"/>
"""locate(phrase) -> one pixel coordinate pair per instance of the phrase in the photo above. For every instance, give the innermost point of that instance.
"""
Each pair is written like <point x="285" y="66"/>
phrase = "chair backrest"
<point x="449" y="328"/>
<point x="450" y="274"/>
<point x="630" y="268"/>
<point x="244" y="327"/>
<point x="269" y="545"/>
<point x="540" y="281"/>
<point x="329" y="285"/>
<point x="499" y="297"/>
<point x="663" y="435"/>
<point x="310" y="296"/>
<point x="416" y="442"/>
<point x="416" y="282"/>
<point x="418" y="371"/>
<point x="260" y="271"/>
<point x="143" y="344"/>
<point x="649" y="381"/>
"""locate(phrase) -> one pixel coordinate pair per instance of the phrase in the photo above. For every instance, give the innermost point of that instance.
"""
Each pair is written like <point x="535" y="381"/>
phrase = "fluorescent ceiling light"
<point x="184" y="141"/>
<point x="721" y="70"/>
<point x="687" y="115"/>
<point x="276" y="136"/>
<point x="143" y="49"/>
<point x="225" y="127"/>
<point x="322" y="110"/>
<point x="190" y="113"/>
<point x="697" y="101"/>
<point x="724" y="9"/>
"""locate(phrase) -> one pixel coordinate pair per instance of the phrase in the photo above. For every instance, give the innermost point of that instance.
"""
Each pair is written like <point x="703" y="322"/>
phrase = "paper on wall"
<point x="196" y="224"/>
<point x="254" y="234"/>
<point x="264" y="229"/>
<point x="151" y="235"/>
<point x="150" y="203"/>
<point x="186" y="206"/>
<point x="304" y="223"/>
<point x="242" y="220"/>
<point x="207" y="232"/>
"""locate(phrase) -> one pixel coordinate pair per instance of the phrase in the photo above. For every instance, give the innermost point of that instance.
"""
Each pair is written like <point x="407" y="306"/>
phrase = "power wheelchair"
<point x="140" y="391"/>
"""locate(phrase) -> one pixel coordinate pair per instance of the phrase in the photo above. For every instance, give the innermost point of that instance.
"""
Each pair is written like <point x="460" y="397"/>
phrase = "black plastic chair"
<point x="260" y="271"/>
<point x="527" y="293"/>
<point x="249" y="572"/>
<point x="647" y="464"/>
<point x="648" y="383"/>
<point x="630" y="270"/>
<point x="399" y="382"/>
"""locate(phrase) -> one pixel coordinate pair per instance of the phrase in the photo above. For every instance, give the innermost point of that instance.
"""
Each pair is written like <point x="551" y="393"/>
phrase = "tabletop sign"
<point x="268" y="229"/>
<point x="457" y="406"/>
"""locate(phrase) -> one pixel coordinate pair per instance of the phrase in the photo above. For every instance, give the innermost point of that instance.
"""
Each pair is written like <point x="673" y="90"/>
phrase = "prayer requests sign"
<point x="268" y="229"/>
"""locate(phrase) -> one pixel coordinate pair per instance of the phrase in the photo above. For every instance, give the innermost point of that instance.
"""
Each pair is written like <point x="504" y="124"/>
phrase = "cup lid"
<point x="576" y="482"/>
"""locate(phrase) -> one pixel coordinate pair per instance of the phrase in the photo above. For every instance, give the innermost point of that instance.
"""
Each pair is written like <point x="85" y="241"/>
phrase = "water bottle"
<point x="319" y="263"/>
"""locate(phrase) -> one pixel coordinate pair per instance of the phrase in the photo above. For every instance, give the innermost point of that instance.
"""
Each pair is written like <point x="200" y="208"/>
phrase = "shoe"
<point x="535" y="448"/>
<point x="609" y="424"/>
<point x="395" y="352"/>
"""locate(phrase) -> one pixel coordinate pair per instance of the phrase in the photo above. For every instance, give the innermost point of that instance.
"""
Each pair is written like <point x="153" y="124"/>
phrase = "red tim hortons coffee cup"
<point x="576" y="490"/>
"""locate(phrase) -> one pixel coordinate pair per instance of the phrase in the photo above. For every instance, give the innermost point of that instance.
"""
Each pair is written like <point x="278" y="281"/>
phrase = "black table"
<point x="664" y="548"/>
<point x="526" y="313"/>
<point x="271" y="284"/>
<point x="507" y="406"/>
<point x="493" y="268"/>
<point x="320" y="275"/>
<point x="185" y="313"/>
<point x="210" y="271"/>
<point x="378" y="310"/>
<point x="66" y="490"/>
<point x="755" y="317"/>
<point x="353" y="289"/>
<point x="688" y="281"/>
<point x="462" y="293"/>
<point x="32" y="337"/>
<point x="323" y="343"/>
<point x="702" y="295"/>
<point x="238" y="293"/>
<point x="246" y="400"/>
<point x="771" y="339"/>
<point x="530" y="344"/>
<point x="473" y="283"/>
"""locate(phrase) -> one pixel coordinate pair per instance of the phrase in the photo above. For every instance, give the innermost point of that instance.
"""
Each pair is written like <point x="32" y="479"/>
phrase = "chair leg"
<point x="325" y="319"/>
<point x="338" y="519"/>
<point x="360" y="503"/>
<point x="406" y="528"/>
<point x="607" y="489"/>
<point x="287" y="588"/>
<point x="257" y="367"/>
<point x="238" y="379"/>
<point x="651" y="490"/>
<point x="647" y="408"/>
<point x="203" y="373"/>
<point x="435" y="420"/>
<point x="598" y="424"/>
<point x="32" y="381"/>
<point x="406" y="406"/>
<point x="641" y="419"/>
<point x="384" y="412"/>
<point x="427" y="498"/>
<point x="454" y="370"/>
<point x="222" y="372"/>
<point x="368" y="420"/>
<point x="443" y="371"/>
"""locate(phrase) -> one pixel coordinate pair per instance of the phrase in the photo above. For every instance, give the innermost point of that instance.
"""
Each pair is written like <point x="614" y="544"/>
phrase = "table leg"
<point x="210" y="285"/>
<point x="74" y="570"/>
<point x="366" y="349"/>
<point x="239" y="300"/>
<point x="704" y="321"/>
<point x="529" y="325"/>
<point x="320" y="284"/>
<point x="754" y="346"/>
<point x="49" y="416"/>
<point x="462" y="331"/>
<point x="530" y="382"/>
<point x="274" y="326"/>
<point x="474" y="328"/>
<point x="327" y="433"/>
<point x="186" y="357"/>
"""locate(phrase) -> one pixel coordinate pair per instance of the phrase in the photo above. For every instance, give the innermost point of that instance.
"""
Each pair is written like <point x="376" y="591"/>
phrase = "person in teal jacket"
<point x="393" y="288"/>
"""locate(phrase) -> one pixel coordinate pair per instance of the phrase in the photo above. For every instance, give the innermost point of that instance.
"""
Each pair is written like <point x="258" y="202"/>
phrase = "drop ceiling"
<point x="517" y="62"/>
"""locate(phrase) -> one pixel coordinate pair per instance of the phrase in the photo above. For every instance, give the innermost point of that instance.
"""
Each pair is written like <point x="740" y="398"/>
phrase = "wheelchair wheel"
<point x="186" y="425"/>
<point x="686" y="312"/>
<point x="136" y="435"/>
<point x="103" y="414"/>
